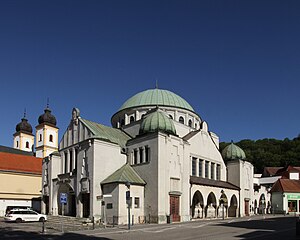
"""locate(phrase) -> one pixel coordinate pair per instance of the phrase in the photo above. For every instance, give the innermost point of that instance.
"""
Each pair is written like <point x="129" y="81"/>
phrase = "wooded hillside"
<point x="270" y="152"/>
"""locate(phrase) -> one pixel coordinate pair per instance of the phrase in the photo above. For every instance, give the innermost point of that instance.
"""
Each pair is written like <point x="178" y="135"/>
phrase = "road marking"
<point x="158" y="231"/>
<point x="199" y="226"/>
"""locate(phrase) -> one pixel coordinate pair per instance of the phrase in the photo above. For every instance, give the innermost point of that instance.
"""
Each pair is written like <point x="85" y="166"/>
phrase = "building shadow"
<point x="13" y="234"/>
<point x="282" y="228"/>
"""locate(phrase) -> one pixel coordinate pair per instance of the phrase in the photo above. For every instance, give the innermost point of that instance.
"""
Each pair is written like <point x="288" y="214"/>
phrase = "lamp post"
<point x="128" y="201"/>
<point x="222" y="203"/>
<point x="262" y="204"/>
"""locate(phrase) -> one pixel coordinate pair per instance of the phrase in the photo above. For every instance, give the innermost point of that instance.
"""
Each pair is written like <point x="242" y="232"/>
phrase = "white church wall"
<point x="173" y="178"/>
<point x="148" y="172"/>
<point x="106" y="159"/>
<point x="202" y="146"/>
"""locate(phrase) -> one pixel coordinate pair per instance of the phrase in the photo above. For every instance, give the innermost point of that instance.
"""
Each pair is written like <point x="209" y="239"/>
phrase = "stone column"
<point x="62" y="162"/>
<point x="215" y="171"/>
<point x="144" y="154"/>
<point x="197" y="167"/>
<point x="203" y="168"/>
<point x="68" y="162"/>
<point x="74" y="158"/>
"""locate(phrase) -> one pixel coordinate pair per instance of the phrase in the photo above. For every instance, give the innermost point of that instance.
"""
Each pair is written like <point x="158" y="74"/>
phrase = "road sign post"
<point x="63" y="201"/>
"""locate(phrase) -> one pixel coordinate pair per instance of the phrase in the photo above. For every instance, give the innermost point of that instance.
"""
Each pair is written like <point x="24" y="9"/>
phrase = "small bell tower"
<point x="46" y="134"/>
<point x="23" y="137"/>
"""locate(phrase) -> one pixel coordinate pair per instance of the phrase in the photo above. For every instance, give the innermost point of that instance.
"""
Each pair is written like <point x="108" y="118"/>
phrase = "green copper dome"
<point x="157" y="121"/>
<point x="232" y="152"/>
<point x="156" y="97"/>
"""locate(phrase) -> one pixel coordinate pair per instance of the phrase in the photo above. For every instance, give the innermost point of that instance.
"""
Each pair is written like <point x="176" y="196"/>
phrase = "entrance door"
<point x="247" y="207"/>
<point x="86" y="205"/>
<point x="174" y="208"/>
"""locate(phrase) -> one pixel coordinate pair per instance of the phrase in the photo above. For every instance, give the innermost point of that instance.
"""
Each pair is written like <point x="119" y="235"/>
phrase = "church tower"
<point x="46" y="134"/>
<point x="23" y="138"/>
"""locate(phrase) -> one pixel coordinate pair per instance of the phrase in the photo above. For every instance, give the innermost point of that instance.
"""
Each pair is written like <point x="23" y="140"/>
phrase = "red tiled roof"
<point x="286" y="185"/>
<point x="20" y="163"/>
<point x="271" y="171"/>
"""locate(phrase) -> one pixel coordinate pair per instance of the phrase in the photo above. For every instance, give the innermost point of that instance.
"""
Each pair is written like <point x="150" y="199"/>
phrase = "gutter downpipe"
<point x="190" y="201"/>
<point x="239" y="202"/>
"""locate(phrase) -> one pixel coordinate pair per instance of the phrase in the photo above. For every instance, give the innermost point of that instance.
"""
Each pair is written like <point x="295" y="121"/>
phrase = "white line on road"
<point x="157" y="231"/>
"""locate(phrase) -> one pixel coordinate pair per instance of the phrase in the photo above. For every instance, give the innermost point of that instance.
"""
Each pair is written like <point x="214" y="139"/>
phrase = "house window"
<point x="190" y="123"/>
<point x="141" y="155"/>
<point x="66" y="162"/>
<point x="218" y="171"/>
<point x="76" y="157"/>
<point x="181" y="120"/>
<point x="136" y="202"/>
<point x="196" y="125"/>
<point x="109" y="206"/>
<point x="206" y="169"/>
<point x="17" y="143"/>
<point x="27" y="144"/>
<point x="147" y="154"/>
<point x="131" y="119"/>
<point x="135" y="156"/>
<point x="194" y="166"/>
<point x="212" y="171"/>
<point x="71" y="160"/>
<point x="122" y="122"/>
<point x="200" y="167"/>
<point x="171" y="117"/>
<point x="50" y="138"/>
<point x="40" y="138"/>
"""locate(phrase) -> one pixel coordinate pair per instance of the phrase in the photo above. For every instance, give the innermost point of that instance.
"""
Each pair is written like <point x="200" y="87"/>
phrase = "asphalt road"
<point x="270" y="227"/>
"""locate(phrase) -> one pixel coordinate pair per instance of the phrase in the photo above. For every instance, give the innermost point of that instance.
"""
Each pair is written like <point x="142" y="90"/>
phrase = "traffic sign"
<point x="63" y="198"/>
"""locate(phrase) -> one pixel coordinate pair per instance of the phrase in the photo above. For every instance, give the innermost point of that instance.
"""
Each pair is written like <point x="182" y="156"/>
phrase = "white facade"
<point x="46" y="140"/>
<point x="23" y="141"/>
<point x="181" y="173"/>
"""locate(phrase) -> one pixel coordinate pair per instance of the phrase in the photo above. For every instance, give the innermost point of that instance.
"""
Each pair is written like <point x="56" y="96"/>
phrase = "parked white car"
<point x="24" y="215"/>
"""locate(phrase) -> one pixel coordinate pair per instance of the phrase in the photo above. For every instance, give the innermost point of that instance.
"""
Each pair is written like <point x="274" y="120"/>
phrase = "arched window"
<point x="40" y="138"/>
<point x="181" y="120"/>
<point x="170" y="116"/>
<point x="190" y="123"/>
<point x="196" y="125"/>
<point x="27" y="144"/>
<point x="131" y="119"/>
<point x="17" y="144"/>
<point x="50" y="138"/>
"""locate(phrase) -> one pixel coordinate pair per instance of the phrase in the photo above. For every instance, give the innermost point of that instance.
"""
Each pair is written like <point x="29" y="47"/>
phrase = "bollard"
<point x="43" y="226"/>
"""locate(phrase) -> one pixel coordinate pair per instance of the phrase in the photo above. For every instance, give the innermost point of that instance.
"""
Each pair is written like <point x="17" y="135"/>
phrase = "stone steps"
<point x="66" y="223"/>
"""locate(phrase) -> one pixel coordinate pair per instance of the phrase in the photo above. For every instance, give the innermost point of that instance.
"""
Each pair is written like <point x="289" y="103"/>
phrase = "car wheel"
<point x="42" y="219"/>
<point x="18" y="220"/>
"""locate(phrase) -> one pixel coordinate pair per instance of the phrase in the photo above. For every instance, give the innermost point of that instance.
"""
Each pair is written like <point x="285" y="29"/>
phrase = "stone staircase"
<point x="67" y="224"/>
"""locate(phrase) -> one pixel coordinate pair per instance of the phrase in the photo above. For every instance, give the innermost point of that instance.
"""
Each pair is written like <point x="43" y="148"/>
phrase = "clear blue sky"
<point x="236" y="62"/>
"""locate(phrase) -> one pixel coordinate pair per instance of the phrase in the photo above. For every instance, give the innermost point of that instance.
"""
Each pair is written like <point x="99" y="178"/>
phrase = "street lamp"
<point x="223" y="200"/>
<point x="262" y="204"/>
<point x="127" y="184"/>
